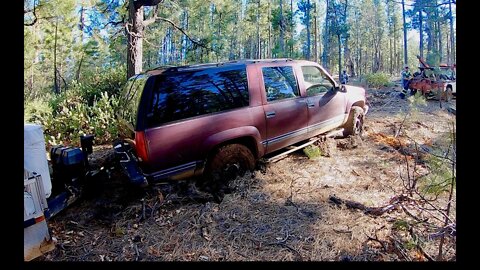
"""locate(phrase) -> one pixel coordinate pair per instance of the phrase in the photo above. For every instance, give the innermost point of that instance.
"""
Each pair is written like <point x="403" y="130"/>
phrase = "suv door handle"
<point x="270" y="114"/>
<point x="310" y="105"/>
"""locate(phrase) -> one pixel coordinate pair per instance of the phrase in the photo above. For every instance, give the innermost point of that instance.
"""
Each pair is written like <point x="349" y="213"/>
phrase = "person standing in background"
<point x="406" y="77"/>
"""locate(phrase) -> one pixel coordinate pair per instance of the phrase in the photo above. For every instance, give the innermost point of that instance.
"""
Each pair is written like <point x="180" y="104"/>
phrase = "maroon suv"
<point x="213" y="119"/>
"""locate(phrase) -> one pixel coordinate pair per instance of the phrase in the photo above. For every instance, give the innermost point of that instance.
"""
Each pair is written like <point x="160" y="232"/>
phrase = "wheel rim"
<point x="358" y="126"/>
<point x="230" y="171"/>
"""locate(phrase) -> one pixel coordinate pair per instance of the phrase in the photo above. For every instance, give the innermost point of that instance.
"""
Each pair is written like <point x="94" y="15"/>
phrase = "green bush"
<point x="377" y="80"/>
<point x="110" y="81"/>
<point x="312" y="151"/>
<point x="36" y="110"/>
<point x="85" y="108"/>
<point x="103" y="120"/>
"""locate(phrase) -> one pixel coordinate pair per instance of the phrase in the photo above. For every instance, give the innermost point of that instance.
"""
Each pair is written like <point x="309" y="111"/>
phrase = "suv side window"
<point x="280" y="83"/>
<point x="316" y="82"/>
<point x="192" y="93"/>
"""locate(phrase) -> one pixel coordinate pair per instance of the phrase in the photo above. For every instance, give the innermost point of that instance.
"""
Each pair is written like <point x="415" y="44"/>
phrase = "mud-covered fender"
<point x="246" y="132"/>
<point x="356" y="97"/>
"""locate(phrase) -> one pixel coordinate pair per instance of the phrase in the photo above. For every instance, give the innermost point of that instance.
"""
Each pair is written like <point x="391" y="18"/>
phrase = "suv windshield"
<point x="128" y="105"/>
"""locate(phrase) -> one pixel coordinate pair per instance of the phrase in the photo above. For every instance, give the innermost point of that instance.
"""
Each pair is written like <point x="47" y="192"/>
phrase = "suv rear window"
<point x="129" y="102"/>
<point x="192" y="93"/>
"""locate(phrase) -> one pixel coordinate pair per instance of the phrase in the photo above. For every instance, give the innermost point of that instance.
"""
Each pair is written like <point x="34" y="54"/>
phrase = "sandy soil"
<point x="281" y="212"/>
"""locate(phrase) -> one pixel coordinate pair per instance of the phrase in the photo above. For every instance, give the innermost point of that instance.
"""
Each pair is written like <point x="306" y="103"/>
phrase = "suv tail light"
<point x="141" y="145"/>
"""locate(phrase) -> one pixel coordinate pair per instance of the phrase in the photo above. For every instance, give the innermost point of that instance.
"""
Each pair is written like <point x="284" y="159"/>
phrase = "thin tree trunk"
<point x="258" y="52"/>
<point x="315" y="33"/>
<point x="77" y="76"/>
<point x="440" y="45"/>
<point x="452" y="37"/>
<point x="390" y="71"/>
<point x="405" y="52"/>
<point x="420" y="19"/>
<point x="449" y="58"/>
<point x="269" y="52"/>
<point x="395" y="53"/>
<point x="291" y="28"/>
<point x="308" y="30"/>
<point x="282" y="31"/>
<point x="81" y="25"/>
<point x="339" y="53"/>
<point x="55" y="79"/>
<point x="326" y="40"/>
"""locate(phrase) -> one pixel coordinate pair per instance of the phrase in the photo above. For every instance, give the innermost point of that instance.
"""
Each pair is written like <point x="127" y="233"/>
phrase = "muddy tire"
<point x="226" y="163"/>
<point x="354" y="124"/>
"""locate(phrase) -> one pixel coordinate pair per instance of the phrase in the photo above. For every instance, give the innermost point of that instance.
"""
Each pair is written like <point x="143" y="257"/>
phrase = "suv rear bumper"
<point x="129" y="163"/>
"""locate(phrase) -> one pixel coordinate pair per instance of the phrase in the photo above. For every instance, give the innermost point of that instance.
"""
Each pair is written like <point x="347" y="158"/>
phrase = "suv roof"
<point x="162" y="69"/>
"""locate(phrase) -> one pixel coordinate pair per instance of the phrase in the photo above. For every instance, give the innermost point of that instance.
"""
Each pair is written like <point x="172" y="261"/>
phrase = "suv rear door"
<point x="285" y="109"/>
<point x="326" y="105"/>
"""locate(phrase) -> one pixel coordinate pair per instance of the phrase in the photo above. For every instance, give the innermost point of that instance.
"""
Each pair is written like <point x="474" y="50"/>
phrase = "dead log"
<point x="373" y="211"/>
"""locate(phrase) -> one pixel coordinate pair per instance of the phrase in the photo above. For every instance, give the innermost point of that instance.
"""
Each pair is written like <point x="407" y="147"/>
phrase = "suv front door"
<point x="326" y="105"/>
<point x="285" y="110"/>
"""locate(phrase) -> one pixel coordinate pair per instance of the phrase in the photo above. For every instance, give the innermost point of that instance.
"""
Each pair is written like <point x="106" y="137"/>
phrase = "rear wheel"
<point x="354" y="125"/>
<point x="227" y="162"/>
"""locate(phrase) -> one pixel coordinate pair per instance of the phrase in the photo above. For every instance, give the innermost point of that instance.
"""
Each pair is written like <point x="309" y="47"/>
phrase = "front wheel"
<point x="354" y="125"/>
<point x="227" y="162"/>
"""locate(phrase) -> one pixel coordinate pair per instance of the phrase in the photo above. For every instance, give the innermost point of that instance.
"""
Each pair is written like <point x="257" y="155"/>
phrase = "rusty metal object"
<point x="431" y="85"/>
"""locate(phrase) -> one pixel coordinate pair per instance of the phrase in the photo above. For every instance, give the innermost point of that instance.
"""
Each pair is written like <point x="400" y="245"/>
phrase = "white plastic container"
<point x="34" y="154"/>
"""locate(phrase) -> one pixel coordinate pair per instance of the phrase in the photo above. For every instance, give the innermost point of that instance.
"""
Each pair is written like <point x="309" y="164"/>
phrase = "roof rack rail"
<point x="273" y="60"/>
<point x="161" y="67"/>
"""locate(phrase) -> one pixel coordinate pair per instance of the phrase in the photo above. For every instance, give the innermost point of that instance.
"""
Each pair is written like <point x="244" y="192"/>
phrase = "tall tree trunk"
<point x="77" y="76"/>
<point x="339" y="37"/>
<point x="405" y="52"/>
<point x="282" y="31"/>
<point x="135" y="39"/>
<point x="291" y="28"/>
<point x="81" y="25"/>
<point x="440" y="45"/>
<point x="390" y="68"/>
<point x="347" y="56"/>
<point x="326" y="37"/>
<point x="420" y="19"/>
<point x="55" y="79"/>
<point x="358" y="49"/>
<point x="258" y="53"/>
<point x="452" y="37"/>
<point x="395" y="53"/>
<point x="269" y="49"/>
<point x="308" y="30"/>
<point x="449" y="58"/>
<point x="315" y="33"/>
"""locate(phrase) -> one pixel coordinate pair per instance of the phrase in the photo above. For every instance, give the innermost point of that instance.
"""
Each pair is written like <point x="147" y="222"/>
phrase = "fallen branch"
<point x="373" y="211"/>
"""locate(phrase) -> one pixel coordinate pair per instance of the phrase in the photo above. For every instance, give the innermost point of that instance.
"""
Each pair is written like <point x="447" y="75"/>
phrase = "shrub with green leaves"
<point x="312" y="151"/>
<point x="36" y="110"/>
<point x="377" y="80"/>
<point x="85" y="108"/>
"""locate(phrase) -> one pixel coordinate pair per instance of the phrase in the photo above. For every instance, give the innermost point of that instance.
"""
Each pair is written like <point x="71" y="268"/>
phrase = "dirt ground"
<point x="281" y="212"/>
